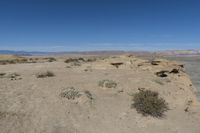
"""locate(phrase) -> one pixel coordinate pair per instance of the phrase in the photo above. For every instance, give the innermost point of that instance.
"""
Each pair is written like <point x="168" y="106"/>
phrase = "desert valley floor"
<point x="34" y="103"/>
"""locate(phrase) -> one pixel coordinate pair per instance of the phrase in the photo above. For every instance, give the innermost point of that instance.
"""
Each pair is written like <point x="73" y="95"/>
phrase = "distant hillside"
<point x="25" y="53"/>
<point x="180" y="52"/>
<point x="138" y="53"/>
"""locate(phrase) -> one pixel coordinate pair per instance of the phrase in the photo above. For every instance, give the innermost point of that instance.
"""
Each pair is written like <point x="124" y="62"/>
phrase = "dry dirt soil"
<point x="192" y="65"/>
<point x="36" y="105"/>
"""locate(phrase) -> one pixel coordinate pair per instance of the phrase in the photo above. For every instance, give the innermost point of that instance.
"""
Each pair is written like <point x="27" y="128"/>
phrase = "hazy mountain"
<point x="140" y="53"/>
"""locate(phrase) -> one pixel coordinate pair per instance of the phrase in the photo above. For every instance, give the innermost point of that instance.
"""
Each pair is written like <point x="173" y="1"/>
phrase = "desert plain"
<point x="34" y="95"/>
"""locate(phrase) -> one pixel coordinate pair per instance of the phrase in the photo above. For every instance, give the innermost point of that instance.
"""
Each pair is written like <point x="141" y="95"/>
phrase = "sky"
<point x="87" y="25"/>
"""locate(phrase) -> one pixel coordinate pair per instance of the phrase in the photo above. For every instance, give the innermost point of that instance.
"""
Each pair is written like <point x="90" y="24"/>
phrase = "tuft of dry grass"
<point x="45" y="74"/>
<point x="89" y="95"/>
<point x="107" y="83"/>
<point x="70" y="93"/>
<point x="2" y="74"/>
<point x="51" y="59"/>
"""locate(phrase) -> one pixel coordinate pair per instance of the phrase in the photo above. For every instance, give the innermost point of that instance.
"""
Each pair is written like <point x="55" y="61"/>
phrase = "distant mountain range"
<point x="162" y="53"/>
<point x="32" y="53"/>
<point x="25" y="53"/>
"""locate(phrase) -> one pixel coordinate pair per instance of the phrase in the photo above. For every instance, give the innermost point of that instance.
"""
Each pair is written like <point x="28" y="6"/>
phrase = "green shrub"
<point x="148" y="102"/>
<point x="45" y="74"/>
<point x="107" y="83"/>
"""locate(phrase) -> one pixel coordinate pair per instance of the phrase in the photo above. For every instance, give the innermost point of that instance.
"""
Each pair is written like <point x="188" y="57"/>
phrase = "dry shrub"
<point x="51" y="59"/>
<point x="70" y="60"/>
<point x="70" y="93"/>
<point x="45" y="74"/>
<point x="89" y="95"/>
<point x="14" y="76"/>
<point x="107" y="83"/>
<point x="2" y="74"/>
<point x="148" y="102"/>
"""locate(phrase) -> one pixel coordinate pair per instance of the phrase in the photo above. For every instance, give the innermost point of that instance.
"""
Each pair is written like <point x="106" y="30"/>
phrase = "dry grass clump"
<point x="148" y="102"/>
<point x="11" y="76"/>
<point x="45" y="74"/>
<point x="2" y="74"/>
<point x="70" y="60"/>
<point x="70" y="93"/>
<point x="5" y="62"/>
<point x="13" y="60"/>
<point x="19" y="59"/>
<point x="75" y="64"/>
<point x="78" y="61"/>
<point x="51" y="59"/>
<point x="74" y="61"/>
<point x="107" y="83"/>
<point x="14" y="76"/>
<point x="89" y="95"/>
<point x="90" y="59"/>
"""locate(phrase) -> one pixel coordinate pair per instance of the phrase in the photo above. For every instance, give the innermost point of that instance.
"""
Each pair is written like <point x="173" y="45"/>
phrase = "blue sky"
<point x="83" y="25"/>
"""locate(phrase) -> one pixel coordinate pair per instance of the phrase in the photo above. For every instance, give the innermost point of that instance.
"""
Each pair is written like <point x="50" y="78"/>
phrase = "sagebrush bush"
<point x="51" y="59"/>
<point x="71" y="60"/>
<point x="148" y="102"/>
<point x="107" y="83"/>
<point x="70" y="93"/>
<point x="45" y="74"/>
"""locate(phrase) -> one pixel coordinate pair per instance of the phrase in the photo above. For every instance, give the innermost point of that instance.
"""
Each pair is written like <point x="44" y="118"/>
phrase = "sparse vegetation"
<point x="74" y="61"/>
<point x="75" y="64"/>
<point x="89" y="68"/>
<point x="70" y="93"/>
<point x="13" y="60"/>
<point x="51" y="59"/>
<point x="2" y="74"/>
<point x="107" y="83"/>
<point x="70" y="60"/>
<point x="45" y="74"/>
<point x="148" y="102"/>
<point x="4" y="114"/>
<point x="18" y="59"/>
<point x="188" y="105"/>
<point x="11" y="76"/>
<point x="14" y="76"/>
<point x="4" y="62"/>
<point x="89" y="95"/>
<point x="68" y="67"/>
<point x="90" y="59"/>
<point x="80" y="60"/>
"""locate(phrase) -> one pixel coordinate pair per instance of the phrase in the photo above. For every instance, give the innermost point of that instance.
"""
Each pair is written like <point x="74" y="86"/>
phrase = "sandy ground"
<point x="34" y="105"/>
